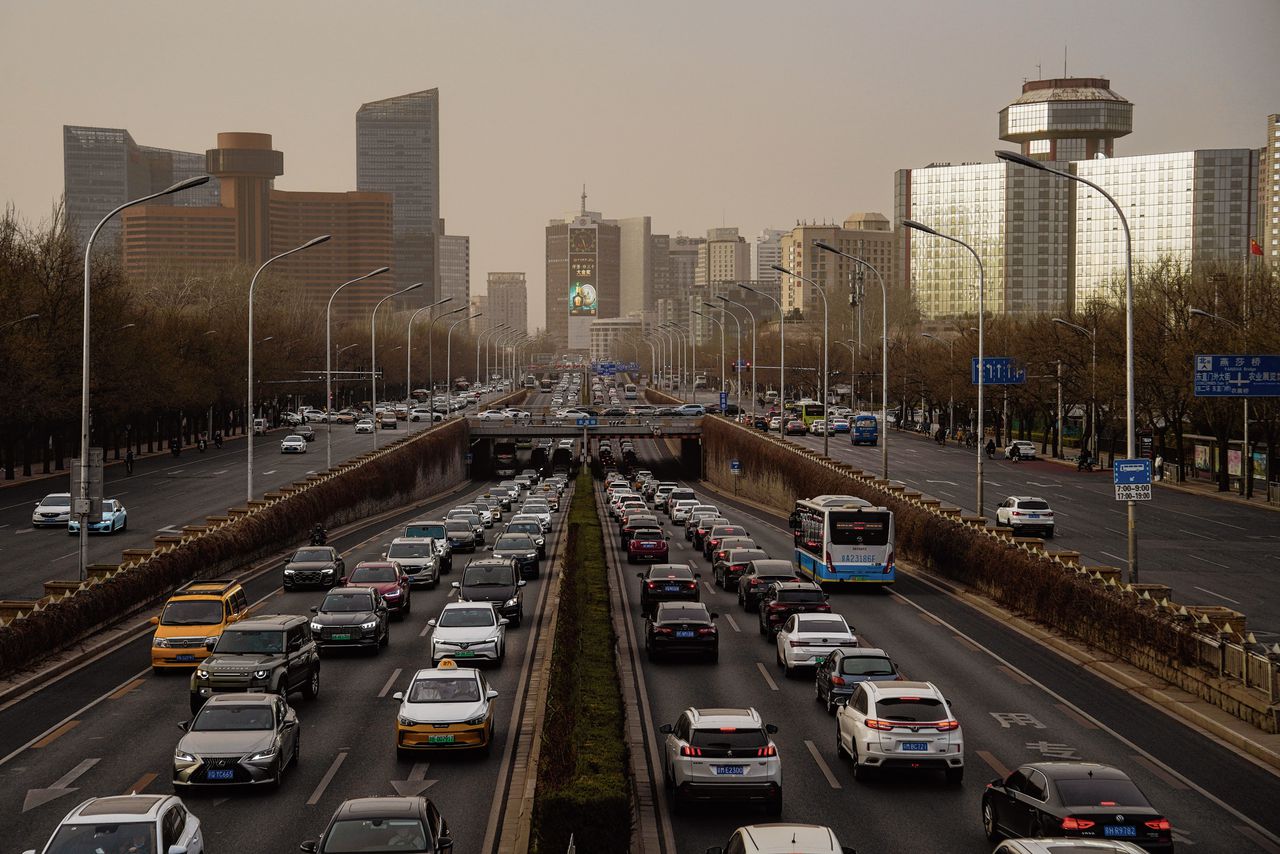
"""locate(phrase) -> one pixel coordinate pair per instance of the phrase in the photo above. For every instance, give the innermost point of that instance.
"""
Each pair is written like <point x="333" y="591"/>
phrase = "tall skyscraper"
<point x="636" y="265"/>
<point x="455" y="268"/>
<point x="398" y="152"/>
<point x="509" y="300"/>
<point x="1268" y="219"/>
<point x="768" y="253"/>
<point x="583" y="275"/>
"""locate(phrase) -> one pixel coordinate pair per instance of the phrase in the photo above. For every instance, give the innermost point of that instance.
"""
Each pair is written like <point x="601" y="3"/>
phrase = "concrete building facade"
<point x="612" y="339"/>
<point x="1267" y="233"/>
<point x="509" y="300"/>
<point x="583" y="275"/>
<point x="455" y="268"/>
<point x="635" y="259"/>
<point x="868" y="236"/>
<point x="768" y="253"/>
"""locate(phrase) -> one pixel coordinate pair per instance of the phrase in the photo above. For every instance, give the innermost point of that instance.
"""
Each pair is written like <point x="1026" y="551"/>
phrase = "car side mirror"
<point x="155" y="621"/>
<point x="184" y="725"/>
<point x="384" y="555"/>
<point x="697" y="575"/>
<point x="521" y="583"/>
<point x="666" y="729"/>
<point x="770" y="728"/>
<point x="209" y="644"/>
<point x="491" y="694"/>
<point x="399" y="695"/>
<point x="315" y="609"/>
<point x="310" y="845"/>
<point x="840" y="699"/>
<point x="714" y="615"/>
<point x="456" y="584"/>
<point x="667" y="537"/>
<point x="640" y="575"/>
<point x="432" y="623"/>
<point x="504" y="621"/>
<point x="342" y="582"/>
<point x="445" y="843"/>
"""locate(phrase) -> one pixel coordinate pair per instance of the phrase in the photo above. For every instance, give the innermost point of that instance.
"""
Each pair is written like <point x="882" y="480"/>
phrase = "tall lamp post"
<point x="682" y="336"/>
<point x="431" y="366"/>
<point x="1131" y="434"/>
<point x="448" y="343"/>
<point x="782" y="343"/>
<point x="1092" y="335"/>
<point x="408" y="356"/>
<point x="737" y="359"/>
<point x="826" y="316"/>
<point x="497" y="332"/>
<point x="373" y="356"/>
<point x="721" y="325"/>
<point x="751" y="315"/>
<point x="315" y="241"/>
<point x="663" y="334"/>
<point x="328" y="365"/>
<point x="1246" y="461"/>
<point x="951" y="363"/>
<point x="982" y="287"/>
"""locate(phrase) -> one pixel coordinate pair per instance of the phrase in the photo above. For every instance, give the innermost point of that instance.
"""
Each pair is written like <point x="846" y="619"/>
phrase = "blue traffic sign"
<point x="735" y="466"/>
<point x="724" y="400"/>
<point x="1237" y="376"/>
<point x="999" y="370"/>
<point x="586" y="422"/>
<point x="1131" y="472"/>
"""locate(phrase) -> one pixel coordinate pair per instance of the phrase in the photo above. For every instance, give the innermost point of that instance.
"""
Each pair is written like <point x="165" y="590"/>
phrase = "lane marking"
<point x="1122" y="560"/>
<point x="74" y="774"/>
<point x="326" y="779"/>
<point x="141" y="783"/>
<point x="965" y="642"/>
<point x="1194" y="534"/>
<point x="1012" y="674"/>
<point x="174" y="471"/>
<point x="395" y="674"/>
<point x="773" y="686"/>
<point x="1118" y="533"/>
<point x="928" y="618"/>
<point x="711" y="590"/>
<point x="65" y="556"/>
<point x="55" y="735"/>
<point x="822" y="764"/>
<point x="732" y="622"/>
<point x="224" y="471"/>
<point x="1219" y="595"/>
<point x="426" y="630"/>
<point x="125" y="689"/>
<point x="1079" y="719"/>
<point x="1258" y="839"/>
<point x="1164" y="776"/>
<point x="996" y="765"/>
<point x="1206" y="560"/>
<point x="273" y="471"/>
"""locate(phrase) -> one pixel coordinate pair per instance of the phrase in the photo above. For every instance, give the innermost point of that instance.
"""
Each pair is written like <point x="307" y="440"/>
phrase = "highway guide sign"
<point x="735" y="466"/>
<point x="1132" y="480"/>
<point x="586" y="422"/>
<point x="999" y="370"/>
<point x="1237" y="376"/>
<point x="724" y="400"/>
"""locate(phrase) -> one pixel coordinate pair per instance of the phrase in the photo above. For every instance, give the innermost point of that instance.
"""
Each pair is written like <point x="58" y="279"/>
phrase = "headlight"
<point x="511" y="603"/>
<point x="492" y="640"/>
<point x="202" y="674"/>
<point x="316" y="627"/>
<point x="183" y="756"/>
<point x="540" y="541"/>
<point x="260" y="674"/>
<point x="477" y="721"/>
<point x="369" y="626"/>
<point x="160" y="643"/>
<point x="403" y="721"/>
<point x="288" y="571"/>
<point x="326" y="572"/>
<point x="391" y="594"/>
<point x="262" y="755"/>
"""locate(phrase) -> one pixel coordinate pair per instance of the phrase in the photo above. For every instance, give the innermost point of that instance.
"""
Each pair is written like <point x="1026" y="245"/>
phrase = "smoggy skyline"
<point x="744" y="114"/>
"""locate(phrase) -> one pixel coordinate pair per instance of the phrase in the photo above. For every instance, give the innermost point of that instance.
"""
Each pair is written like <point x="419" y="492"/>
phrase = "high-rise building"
<point x="398" y="152"/>
<point x="1268" y="219"/>
<point x="583" y="275"/>
<point x="103" y="168"/>
<point x="768" y="253"/>
<point x="635" y="259"/>
<point x="617" y="338"/>
<point x="480" y="304"/>
<point x="724" y="258"/>
<point x="1067" y="118"/>
<point x="863" y="235"/>
<point x="455" y="268"/>
<point x="509" y="300"/>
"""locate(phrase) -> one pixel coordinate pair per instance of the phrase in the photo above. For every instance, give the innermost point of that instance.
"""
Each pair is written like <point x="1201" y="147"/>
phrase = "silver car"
<point x="52" y="511"/>
<point x="237" y="739"/>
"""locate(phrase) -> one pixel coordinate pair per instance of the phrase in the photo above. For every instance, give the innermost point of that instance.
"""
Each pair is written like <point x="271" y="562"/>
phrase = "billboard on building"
<point x="584" y="298"/>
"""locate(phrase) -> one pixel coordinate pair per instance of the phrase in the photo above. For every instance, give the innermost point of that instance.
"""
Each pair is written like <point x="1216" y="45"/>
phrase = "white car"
<point x="680" y="510"/>
<point x="1024" y="514"/>
<point x="722" y="754"/>
<point x="54" y="511"/>
<point x="1026" y="450"/>
<point x="445" y="707"/>
<point x="818" y="427"/>
<point x="424" y="413"/>
<point x="154" y="822"/>
<point x="541" y="511"/>
<point x="494" y="415"/>
<point x="293" y="445"/>
<point x="468" y="631"/>
<point x="905" y="725"/>
<point x="775" y="838"/>
<point x="417" y="558"/>
<point x="517" y="414"/>
<point x="364" y="425"/>
<point x="805" y="640"/>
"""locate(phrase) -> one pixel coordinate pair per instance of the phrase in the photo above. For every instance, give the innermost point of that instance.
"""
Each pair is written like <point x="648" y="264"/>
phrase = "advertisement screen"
<point x="583" y="296"/>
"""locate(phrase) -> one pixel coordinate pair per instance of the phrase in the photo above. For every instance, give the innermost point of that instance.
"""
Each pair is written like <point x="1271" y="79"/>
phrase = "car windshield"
<point x="524" y="528"/>
<point x="865" y="665"/>
<point x="134" y="837"/>
<point x="192" y="612"/>
<point x="375" y="836"/>
<point x="346" y="602"/>
<point x="1033" y="505"/>
<point x="251" y="641"/>
<point x="367" y="574"/>
<point x="744" y="555"/>
<point x="312" y="556"/>
<point x="822" y="626"/>
<point x="224" y="718"/>
<point x="461" y="689"/>
<point x="683" y="614"/>
<point x="409" y="550"/>
<point x="728" y="738"/>
<point x="56" y="501"/>
<point x="482" y="576"/>
<point x="509" y="542"/>
<point x="909" y="709"/>
<point x="458" y="526"/>
<point x="682" y="573"/>
<point x="467" y="618"/>
<point x="1100" y="793"/>
<point x="850" y="527"/>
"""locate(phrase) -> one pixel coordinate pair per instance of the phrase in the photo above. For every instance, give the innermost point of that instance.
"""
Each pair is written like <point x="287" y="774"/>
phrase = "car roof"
<point x="1027" y="498"/>
<point x="773" y="564"/>
<point x="681" y="606"/>
<point x="385" y="807"/>
<point x="444" y="672"/>
<point x="716" y="717"/>
<point x="454" y="606"/>
<point x="786" y="838"/>
<point x="795" y="585"/>
<point x="258" y="622"/>
<point x="243" y="699"/>
<point x="863" y="652"/>
<point x="1075" y="770"/>
<point x="667" y="567"/>
<point x="126" y="806"/>
<point x="1053" y="846"/>
<point x="400" y="541"/>
<point x="903" y="689"/>
<point x="363" y="591"/>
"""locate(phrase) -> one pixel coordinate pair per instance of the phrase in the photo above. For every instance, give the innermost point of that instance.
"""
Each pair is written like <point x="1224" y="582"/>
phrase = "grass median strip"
<point x="583" y="788"/>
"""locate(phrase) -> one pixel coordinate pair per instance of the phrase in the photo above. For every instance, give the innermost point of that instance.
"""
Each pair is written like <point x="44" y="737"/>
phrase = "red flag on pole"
<point x="1254" y="248"/>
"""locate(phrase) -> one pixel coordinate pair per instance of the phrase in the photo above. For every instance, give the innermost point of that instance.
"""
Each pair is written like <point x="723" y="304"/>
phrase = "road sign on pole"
<point x="735" y="467"/>
<point x="999" y="370"/>
<point x="586" y="422"/>
<point x="1237" y="376"/>
<point x="724" y="400"/>
<point x="1132" y="480"/>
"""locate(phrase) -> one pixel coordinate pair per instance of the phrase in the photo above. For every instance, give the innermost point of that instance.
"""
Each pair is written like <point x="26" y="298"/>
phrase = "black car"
<point x="529" y="529"/>
<point x="633" y="521"/>
<point x="351" y="616"/>
<point x="727" y="570"/>
<point x="844" y="668"/>
<point x="759" y="575"/>
<point x="781" y="599"/>
<point x="682" y="627"/>
<point x="493" y="579"/>
<point x="1079" y="800"/>
<point x="712" y="540"/>
<point x="462" y="537"/>
<point x="667" y="582"/>
<point x="520" y="548"/>
<point x="697" y="531"/>
<point x="314" y="566"/>
<point x="412" y="825"/>
<point x="306" y="431"/>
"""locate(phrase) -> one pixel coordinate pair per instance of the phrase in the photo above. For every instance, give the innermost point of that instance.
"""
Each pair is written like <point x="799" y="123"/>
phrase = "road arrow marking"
<point x="169" y="529"/>
<point x="40" y="797"/>
<point x="416" y="784"/>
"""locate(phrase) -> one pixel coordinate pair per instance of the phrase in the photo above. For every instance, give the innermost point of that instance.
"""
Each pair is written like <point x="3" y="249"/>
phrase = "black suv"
<point x="781" y="599"/>
<point x="270" y="653"/>
<point x="494" y="579"/>
<point x="314" y="566"/>
<point x="351" y="616"/>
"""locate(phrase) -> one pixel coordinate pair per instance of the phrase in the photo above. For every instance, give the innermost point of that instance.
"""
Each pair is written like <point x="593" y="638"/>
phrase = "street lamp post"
<point x="826" y="317"/>
<point x="737" y="360"/>
<point x="1131" y="435"/>
<point x="682" y="336"/>
<point x="982" y="287"/>
<point x="1246" y="461"/>
<point x="19" y="320"/>
<point x="782" y="344"/>
<point x="328" y="365"/>
<point x="951" y="364"/>
<point x="373" y="357"/>
<point x="431" y="366"/>
<point x="1092" y="335"/>
<point x="721" y="325"/>
<point x="315" y="241"/>
<point x="751" y="315"/>
<point x="448" y="344"/>
<point x="497" y="332"/>
<point x="408" y="356"/>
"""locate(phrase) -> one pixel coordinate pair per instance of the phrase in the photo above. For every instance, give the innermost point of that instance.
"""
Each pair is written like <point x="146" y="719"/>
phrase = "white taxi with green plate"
<point x="445" y="707"/>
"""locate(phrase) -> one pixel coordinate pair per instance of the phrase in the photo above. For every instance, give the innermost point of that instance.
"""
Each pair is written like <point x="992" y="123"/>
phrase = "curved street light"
<point x="328" y="364"/>
<point x="782" y="343"/>
<point x="408" y="356"/>
<point x="826" y="316"/>
<point x="373" y="356"/>
<point x="752" y="315"/>
<point x="737" y="359"/>
<point x="448" y="342"/>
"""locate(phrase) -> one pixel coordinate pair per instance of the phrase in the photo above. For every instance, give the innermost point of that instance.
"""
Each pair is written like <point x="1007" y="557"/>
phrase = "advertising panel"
<point x="583" y="295"/>
<point x="1202" y="458"/>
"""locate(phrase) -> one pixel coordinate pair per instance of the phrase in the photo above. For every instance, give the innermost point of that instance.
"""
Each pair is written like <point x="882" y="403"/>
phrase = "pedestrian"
<point x="1159" y="467"/>
<point x="128" y="461"/>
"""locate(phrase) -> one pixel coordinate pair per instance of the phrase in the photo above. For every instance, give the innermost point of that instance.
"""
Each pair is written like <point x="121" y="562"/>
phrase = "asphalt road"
<point x="161" y="496"/>
<point x="1016" y="702"/>
<point x="348" y="745"/>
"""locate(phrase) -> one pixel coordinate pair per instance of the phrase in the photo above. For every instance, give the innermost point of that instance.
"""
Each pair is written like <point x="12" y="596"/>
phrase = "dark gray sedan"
<point x="237" y="739"/>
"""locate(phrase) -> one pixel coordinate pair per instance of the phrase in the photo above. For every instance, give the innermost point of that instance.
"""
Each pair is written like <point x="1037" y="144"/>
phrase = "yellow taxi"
<point x="193" y="617"/>
<point x="446" y="707"/>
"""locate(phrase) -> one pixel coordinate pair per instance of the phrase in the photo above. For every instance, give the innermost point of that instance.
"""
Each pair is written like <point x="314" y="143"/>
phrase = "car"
<point x="727" y="570"/>
<point x="1026" y="450"/>
<point x="468" y="630"/>
<point x="306" y="431"/>
<point x="264" y="653"/>
<point x="364" y="425"/>
<point x="388" y="579"/>
<point x="114" y="519"/>
<point x="461" y="535"/>
<point x="319" y="566"/>
<point x="647" y="544"/>
<point x="1079" y="800"/>
<point x="346" y="416"/>
<point x="781" y="599"/>
<point x="680" y="493"/>
<point x="424" y="413"/>
<point x="494" y="415"/>
<point x="805" y="640"/>
<point x="388" y="421"/>
<point x="195" y="614"/>
<point x="351" y="616"/>
<point x="775" y="424"/>
<point x="293" y="444"/>
<point x="711" y="541"/>
<point x="412" y="825"/>
<point x="795" y="427"/>
<point x="722" y="754"/>
<point x="845" y="667"/>
<point x="434" y="530"/>
<point x="667" y="582"/>
<point x="292" y="419"/>
<point x="541" y="510"/>
<point x="899" y="725"/>
<point x="728" y="544"/>
<point x="520" y="550"/>
<point x="237" y="740"/>
<point x="52" y="511"/>
<point x="445" y="708"/>
<point x="682" y="627"/>
<point x="531" y="528"/>
<point x="696" y="511"/>
<point x="840" y="425"/>
<point x="691" y="409"/>
<point x="417" y="558"/>
<point x="1056" y="845"/>
<point x="472" y="518"/>
<point x="631" y="522"/>
<point x="775" y="838"/>
<point x="1024" y="514"/>
<point x="149" y="823"/>
<point x="700" y="526"/>
<point x="818" y="427"/>
<point x="680" y="510"/>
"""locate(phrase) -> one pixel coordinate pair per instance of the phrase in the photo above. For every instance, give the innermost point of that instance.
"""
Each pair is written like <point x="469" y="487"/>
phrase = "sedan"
<point x="795" y="427"/>
<point x="1083" y="800"/>
<point x="647" y="544"/>
<point x="840" y="425"/>
<point x="52" y="511"/>
<point x="727" y="570"/>
<point x="805" y="640"/>
<point x="1026" y="450"/>
<point x="351" y="616"/>
<point x="237" y="739"/>
<point x="364" y="425"/>
<point x="114" y="518"/>
<point x="818" y="427"/>
<point x="306" y="431"/>
<point x="446" y="708"/>
<point x="468" y="630"/>
<point x="361" y="824"/>
<point x="494" y="415"/>
<point x="144" y="817"/>
<point x="293" y="444"/>
<point x="667" y="582"/>
<point x="682" y="627"/>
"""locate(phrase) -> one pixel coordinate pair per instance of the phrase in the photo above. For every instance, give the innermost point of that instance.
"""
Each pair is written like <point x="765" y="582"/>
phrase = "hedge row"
<point x="583" y="789"/>
<point x="411" y="471"/>
<point x="1025" y="583"/>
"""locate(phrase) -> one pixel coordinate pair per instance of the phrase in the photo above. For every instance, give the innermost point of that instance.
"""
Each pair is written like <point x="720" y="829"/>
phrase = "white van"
<point x="629" y="392"/>
<point x="259" y="426"/>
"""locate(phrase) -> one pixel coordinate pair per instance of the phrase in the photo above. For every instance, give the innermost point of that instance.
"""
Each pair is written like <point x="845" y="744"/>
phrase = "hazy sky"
<point x="697" y="113"/>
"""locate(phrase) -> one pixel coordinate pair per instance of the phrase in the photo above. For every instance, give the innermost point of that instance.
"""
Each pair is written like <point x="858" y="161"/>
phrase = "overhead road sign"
<point x="1132" y="480"/>
<point x="1237" y="376"/>
<point x="587" y="422"/>
<point x="998" y="370"/>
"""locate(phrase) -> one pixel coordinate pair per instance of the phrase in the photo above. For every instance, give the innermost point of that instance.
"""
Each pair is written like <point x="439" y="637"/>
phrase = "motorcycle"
<point x="1084" y="463"/>
<point x="319" y="537"/>
<point x="201" y="444"/>
<point x="174" y="447"/>
<point x="217" y="439"/>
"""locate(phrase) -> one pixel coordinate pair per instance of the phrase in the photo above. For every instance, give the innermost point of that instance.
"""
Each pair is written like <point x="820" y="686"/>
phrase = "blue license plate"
<point x="729" y="770"/>
<point x="1128" y="831"/>
<point x="671" y="588"/>
<point x="684" y="634"/>
<point x="184" y="657"/>
<point x="914" y="745"/>
<point x="220" y="774"/>
<point x="1033" y="515"/>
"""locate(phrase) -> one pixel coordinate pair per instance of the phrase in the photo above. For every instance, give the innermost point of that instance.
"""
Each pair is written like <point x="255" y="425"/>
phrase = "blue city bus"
<point x="866" y="430"/>
<point x="842" y="540"/>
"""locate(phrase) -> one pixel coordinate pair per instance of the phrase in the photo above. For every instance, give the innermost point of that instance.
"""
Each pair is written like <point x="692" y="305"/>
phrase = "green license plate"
<point x="342" y="637"/>
<point x="464" y="654"/>
<point x="818" y="659"/>
<point x="439" y="739"/>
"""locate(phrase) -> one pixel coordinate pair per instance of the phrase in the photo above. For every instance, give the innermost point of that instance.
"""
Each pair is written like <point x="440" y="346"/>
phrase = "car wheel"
<point x="386" y="636"/>
<point x="408" y="603"/>
<point x="955" y="775"/>
<point x="312" y="689"/>
<point x="989" y="821"/>
<point x="831" y="705"/>
<point x="763" y="631"/>
<point x="714" y="657"/>
<point x="861" y="773"/>
<point x="275" y="779"/>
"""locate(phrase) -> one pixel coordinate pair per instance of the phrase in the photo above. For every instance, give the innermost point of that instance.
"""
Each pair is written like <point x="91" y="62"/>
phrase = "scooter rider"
<point x="991" y="449"/>
<point x="319" y="536"/>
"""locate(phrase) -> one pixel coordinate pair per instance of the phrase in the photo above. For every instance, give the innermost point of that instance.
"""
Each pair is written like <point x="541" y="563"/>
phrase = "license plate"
<point x="465" y="653"/>
<point x="342" y="637"/>
<point x="729" y="770"/>
<point x="684" y="634"/>
<point x="1033" y="515"/>
<point x="913" y="745"/>
<point x="1125" y="830"/>
<point x="184" y="657"/>
<point x="818" y="659"/>
<point x="220" y="774"/>
<point x="671" y="588"/>
<point x="440" y="739"/>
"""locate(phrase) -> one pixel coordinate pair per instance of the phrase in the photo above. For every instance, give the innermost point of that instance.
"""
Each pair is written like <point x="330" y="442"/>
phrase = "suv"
<point x="360" y="824"/>
<point x="433" y="529"/>
<point x="161" y="817"/>
<point x="494" y="580"/>
<point x="270" y="653"/>
<point x="1022" y="513"/>
<point x="417" y="558"/>
<point x="722" y="754"/>
<point x="899" y="725"/>
<point x="319" y="566"/>
<point x="194" y="615"/>
<point x="766" y="838"/>
<point x="781" y="599"/>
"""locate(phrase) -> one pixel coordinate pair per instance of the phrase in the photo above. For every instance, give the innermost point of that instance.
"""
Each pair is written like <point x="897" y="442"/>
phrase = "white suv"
<point x="805" y="640"/>
<point x="722" y="754"/>
<point x="771" y="838"/>
<point x="156" y="822"/>
<point x="1023" y="514"/>
<point x="899" y="725"/>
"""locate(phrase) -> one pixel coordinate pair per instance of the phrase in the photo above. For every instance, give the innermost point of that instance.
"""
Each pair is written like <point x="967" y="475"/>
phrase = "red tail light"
<point x="837" y="680"/>
<point x="652" y="585"/>
<point x="948" y="726"/>
<point x="773" y="751"/>
<point x="1070" y="823"/>
<point x="888" y="564"/>
<point x="831" y="566"/>
<point x="753" y="582"/>
<point x="1159" y="824"/>
<point x="873" y="723"/>
<point x="686" y="750"/>
<point x="693" y="585"/>
<point x="709" y="630"/>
